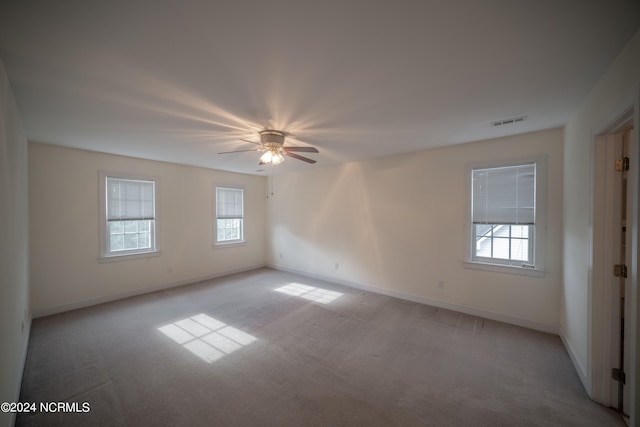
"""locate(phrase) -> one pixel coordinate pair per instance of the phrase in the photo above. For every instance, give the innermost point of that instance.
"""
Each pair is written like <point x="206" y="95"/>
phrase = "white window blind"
<point x="504" y="195"/>
<point x="229" y="203"/>
<point x="130" y="199"/>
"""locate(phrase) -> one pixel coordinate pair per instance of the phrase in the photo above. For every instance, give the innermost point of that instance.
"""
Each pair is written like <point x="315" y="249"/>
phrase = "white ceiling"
<point x="183" y="80"/>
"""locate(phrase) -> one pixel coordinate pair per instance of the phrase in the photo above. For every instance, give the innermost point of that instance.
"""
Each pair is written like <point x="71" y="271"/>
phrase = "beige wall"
<point x="15" y="315"/>
<point x="64" y="225"/>
<point x="397" y="225"/>
<point x="615" y="92"/>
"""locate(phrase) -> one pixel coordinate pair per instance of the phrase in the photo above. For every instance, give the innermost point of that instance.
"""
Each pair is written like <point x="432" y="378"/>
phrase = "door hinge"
<point x="618" y="375"/>
<point x="622" y="164"/>
<point x="620" y="270"/>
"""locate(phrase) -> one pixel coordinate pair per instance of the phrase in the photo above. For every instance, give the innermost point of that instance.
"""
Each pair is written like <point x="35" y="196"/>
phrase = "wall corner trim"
<point x="582" y="373"/>
<point x="23" y="358"/>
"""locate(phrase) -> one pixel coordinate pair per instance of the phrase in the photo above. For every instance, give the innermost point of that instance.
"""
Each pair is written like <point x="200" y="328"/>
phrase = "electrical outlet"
<point x="280" y="255"/>
<point x="337" y="266"/>
<point x="441" y="284"/>
<point x="169" y="269"/>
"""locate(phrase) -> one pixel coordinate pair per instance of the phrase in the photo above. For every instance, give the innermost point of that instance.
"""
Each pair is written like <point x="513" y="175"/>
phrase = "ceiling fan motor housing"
<point x="271" y="138"/>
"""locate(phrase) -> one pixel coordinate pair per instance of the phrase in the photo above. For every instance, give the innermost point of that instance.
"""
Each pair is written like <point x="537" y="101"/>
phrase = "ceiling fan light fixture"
<point x="273" y="152"/>
<point x="272" y="157"/>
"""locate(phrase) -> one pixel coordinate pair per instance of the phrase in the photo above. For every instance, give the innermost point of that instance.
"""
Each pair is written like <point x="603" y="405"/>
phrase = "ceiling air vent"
<point x="510" y="121"/>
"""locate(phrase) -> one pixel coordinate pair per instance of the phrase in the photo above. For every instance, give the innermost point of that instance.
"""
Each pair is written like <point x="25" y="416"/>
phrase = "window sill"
<point x="508" y="269"/>
<point x="126" y="257"/>
<point x="229" y="245"/>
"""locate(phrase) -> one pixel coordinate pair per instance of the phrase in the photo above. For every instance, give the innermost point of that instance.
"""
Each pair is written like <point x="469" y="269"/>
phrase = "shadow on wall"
<point x="336" y="226"/>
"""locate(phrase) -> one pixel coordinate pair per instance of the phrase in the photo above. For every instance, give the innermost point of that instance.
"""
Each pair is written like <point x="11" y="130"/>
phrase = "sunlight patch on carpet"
<point x="206" y="337"/>
<point x="323" y="296"/>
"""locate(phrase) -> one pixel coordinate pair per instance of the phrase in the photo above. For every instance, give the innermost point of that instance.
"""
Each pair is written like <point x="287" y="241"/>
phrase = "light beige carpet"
<point x="268" y="348"/>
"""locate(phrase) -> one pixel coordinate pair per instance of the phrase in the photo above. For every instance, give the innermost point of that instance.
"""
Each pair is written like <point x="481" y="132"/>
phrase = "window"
<point x="504" y="242"/>
<point x="507" y="222"/>
<point x="229" y="215"/>
<point x="129" y="220"/>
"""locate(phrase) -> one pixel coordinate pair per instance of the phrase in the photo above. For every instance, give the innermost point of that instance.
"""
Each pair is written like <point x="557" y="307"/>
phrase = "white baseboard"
<point x="474" y="311"/>
<point x="139" y="291"/>
<point x="580" y="370"/>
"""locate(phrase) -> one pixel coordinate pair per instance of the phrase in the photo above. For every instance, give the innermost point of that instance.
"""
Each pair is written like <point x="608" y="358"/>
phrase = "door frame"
<point x="600" y="314"/>
<point x="604" y="241"/>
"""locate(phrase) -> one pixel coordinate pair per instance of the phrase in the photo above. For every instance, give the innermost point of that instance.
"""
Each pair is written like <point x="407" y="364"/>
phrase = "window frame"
<point x="227" y="243"/>
<point x="537" y="239"/>
<point x="105" y="254"/>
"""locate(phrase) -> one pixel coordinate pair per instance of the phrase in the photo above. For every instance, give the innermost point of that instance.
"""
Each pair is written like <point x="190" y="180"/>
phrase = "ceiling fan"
<point x="273" y="149"/>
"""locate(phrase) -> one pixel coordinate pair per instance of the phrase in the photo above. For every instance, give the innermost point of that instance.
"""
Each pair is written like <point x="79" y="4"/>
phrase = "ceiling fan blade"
<point x="238" y="151"/>
<point x="302" y="149"/>
<point x="253" y="142"/>
<point x="304" y="159"/>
